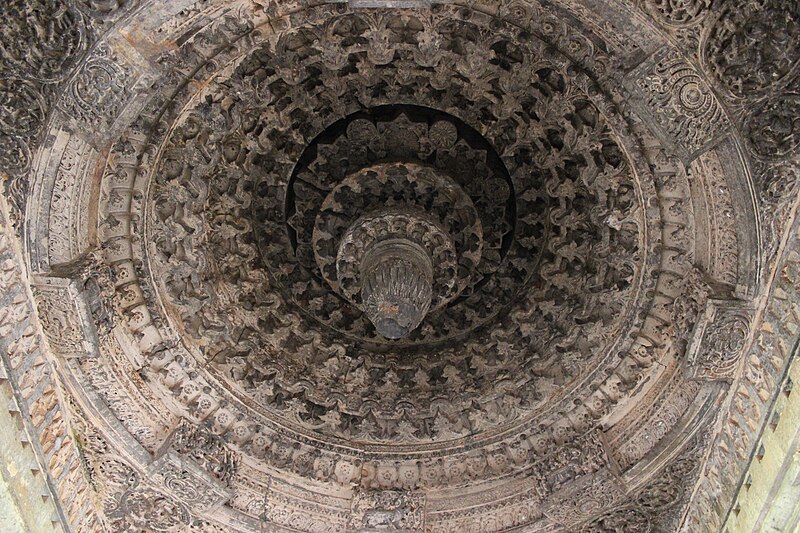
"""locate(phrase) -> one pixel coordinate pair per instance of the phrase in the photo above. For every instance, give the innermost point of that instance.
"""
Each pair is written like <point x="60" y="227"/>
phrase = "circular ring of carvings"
<point x="574" y="294"/>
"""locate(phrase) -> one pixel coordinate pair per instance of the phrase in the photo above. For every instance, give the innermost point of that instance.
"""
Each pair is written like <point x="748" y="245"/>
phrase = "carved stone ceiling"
<point x="592" y="198"/>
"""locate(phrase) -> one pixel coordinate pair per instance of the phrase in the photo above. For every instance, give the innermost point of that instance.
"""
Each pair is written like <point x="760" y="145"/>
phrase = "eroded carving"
<point x="719" y="341"/>
<point x="752" y="46"/>
<point x="683" y="103"/>
<point x="388" y="511"/>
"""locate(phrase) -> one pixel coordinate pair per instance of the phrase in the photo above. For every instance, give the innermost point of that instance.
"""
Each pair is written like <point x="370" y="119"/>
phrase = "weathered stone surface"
<point x="594" y="204"/>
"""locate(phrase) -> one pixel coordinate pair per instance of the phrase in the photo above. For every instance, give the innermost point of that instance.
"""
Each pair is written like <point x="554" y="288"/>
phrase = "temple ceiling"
<point x="461" y="266"/>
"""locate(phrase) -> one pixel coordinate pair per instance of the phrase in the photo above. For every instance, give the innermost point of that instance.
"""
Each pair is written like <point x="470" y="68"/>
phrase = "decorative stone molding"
<point x="375" y="511"/>
<point x="593" y="196"/>
<point x="717" y="346"/>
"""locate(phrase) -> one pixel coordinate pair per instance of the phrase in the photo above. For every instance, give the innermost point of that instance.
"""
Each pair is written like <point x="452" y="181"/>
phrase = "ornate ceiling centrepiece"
<point x="466" y="267"/>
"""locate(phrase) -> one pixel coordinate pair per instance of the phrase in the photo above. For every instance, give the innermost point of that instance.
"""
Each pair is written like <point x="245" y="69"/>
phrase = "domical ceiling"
<point x="333" y="267"/>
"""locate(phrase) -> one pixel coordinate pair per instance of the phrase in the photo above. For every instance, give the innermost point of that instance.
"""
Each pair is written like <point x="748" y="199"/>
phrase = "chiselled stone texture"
<point x="575" y="212"/>
<point x="719" y="341"/>
<point x="388" y="510"/>
<point x="46" y="464"/>
<point x="753" y="46"/>
<point x="682" y="102"/>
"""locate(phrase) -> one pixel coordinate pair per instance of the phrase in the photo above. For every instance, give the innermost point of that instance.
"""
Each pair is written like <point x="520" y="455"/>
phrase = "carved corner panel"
<point x="678" y="102"/>
<point x="188" y="481"/>
<point x="64" y="317"/>
<point x="718" y="343"/>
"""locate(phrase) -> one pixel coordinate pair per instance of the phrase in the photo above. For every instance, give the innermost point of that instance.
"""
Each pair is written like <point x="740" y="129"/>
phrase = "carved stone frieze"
<point x="231" y="200"/>
<point x="387" y="511"/>
<point x="103" y="88"/>
<point x="69" y="212"/>
<point x="148" y="509"/>
<point x="723" y="247"/>
<point x="583" y="500"/>
<point x="188" y="481"/>
<point x="205" y="449"/>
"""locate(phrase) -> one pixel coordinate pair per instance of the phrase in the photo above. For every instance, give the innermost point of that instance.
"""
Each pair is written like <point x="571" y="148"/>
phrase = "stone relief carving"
<point x="682" y="102"/>
<point x="678" y="13"/>
<point x="583" y="287"/>
<point x="582" y="501"/>
<point x="205" y="449"/>
<point x="61" y="317"/>
<point x="773" y="129"/>
<point x="753" y="46"/>
<point x="56" y="34"/>
<point x="104" y="9"/>
<point x="22" y="114"/>
<point x="188" y="482"/>
<point x="648" y="508"/>
<point x="68" y="216"/>
<point x="388" y="511"/>
<point x="719" y="341"/>
<point x="142" y="508"/>
<point x="60" y="38"/>
<point x="23" y="111"/>
<point x="723" y="239"/>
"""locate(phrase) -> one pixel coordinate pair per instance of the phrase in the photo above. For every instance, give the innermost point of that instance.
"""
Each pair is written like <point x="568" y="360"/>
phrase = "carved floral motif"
<point x="565" y="180"/>
<point x="773" y="129"/>
<point x="753" y="45"/>
<point x="582" y="292"/>
<point x="682" y="102"/>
